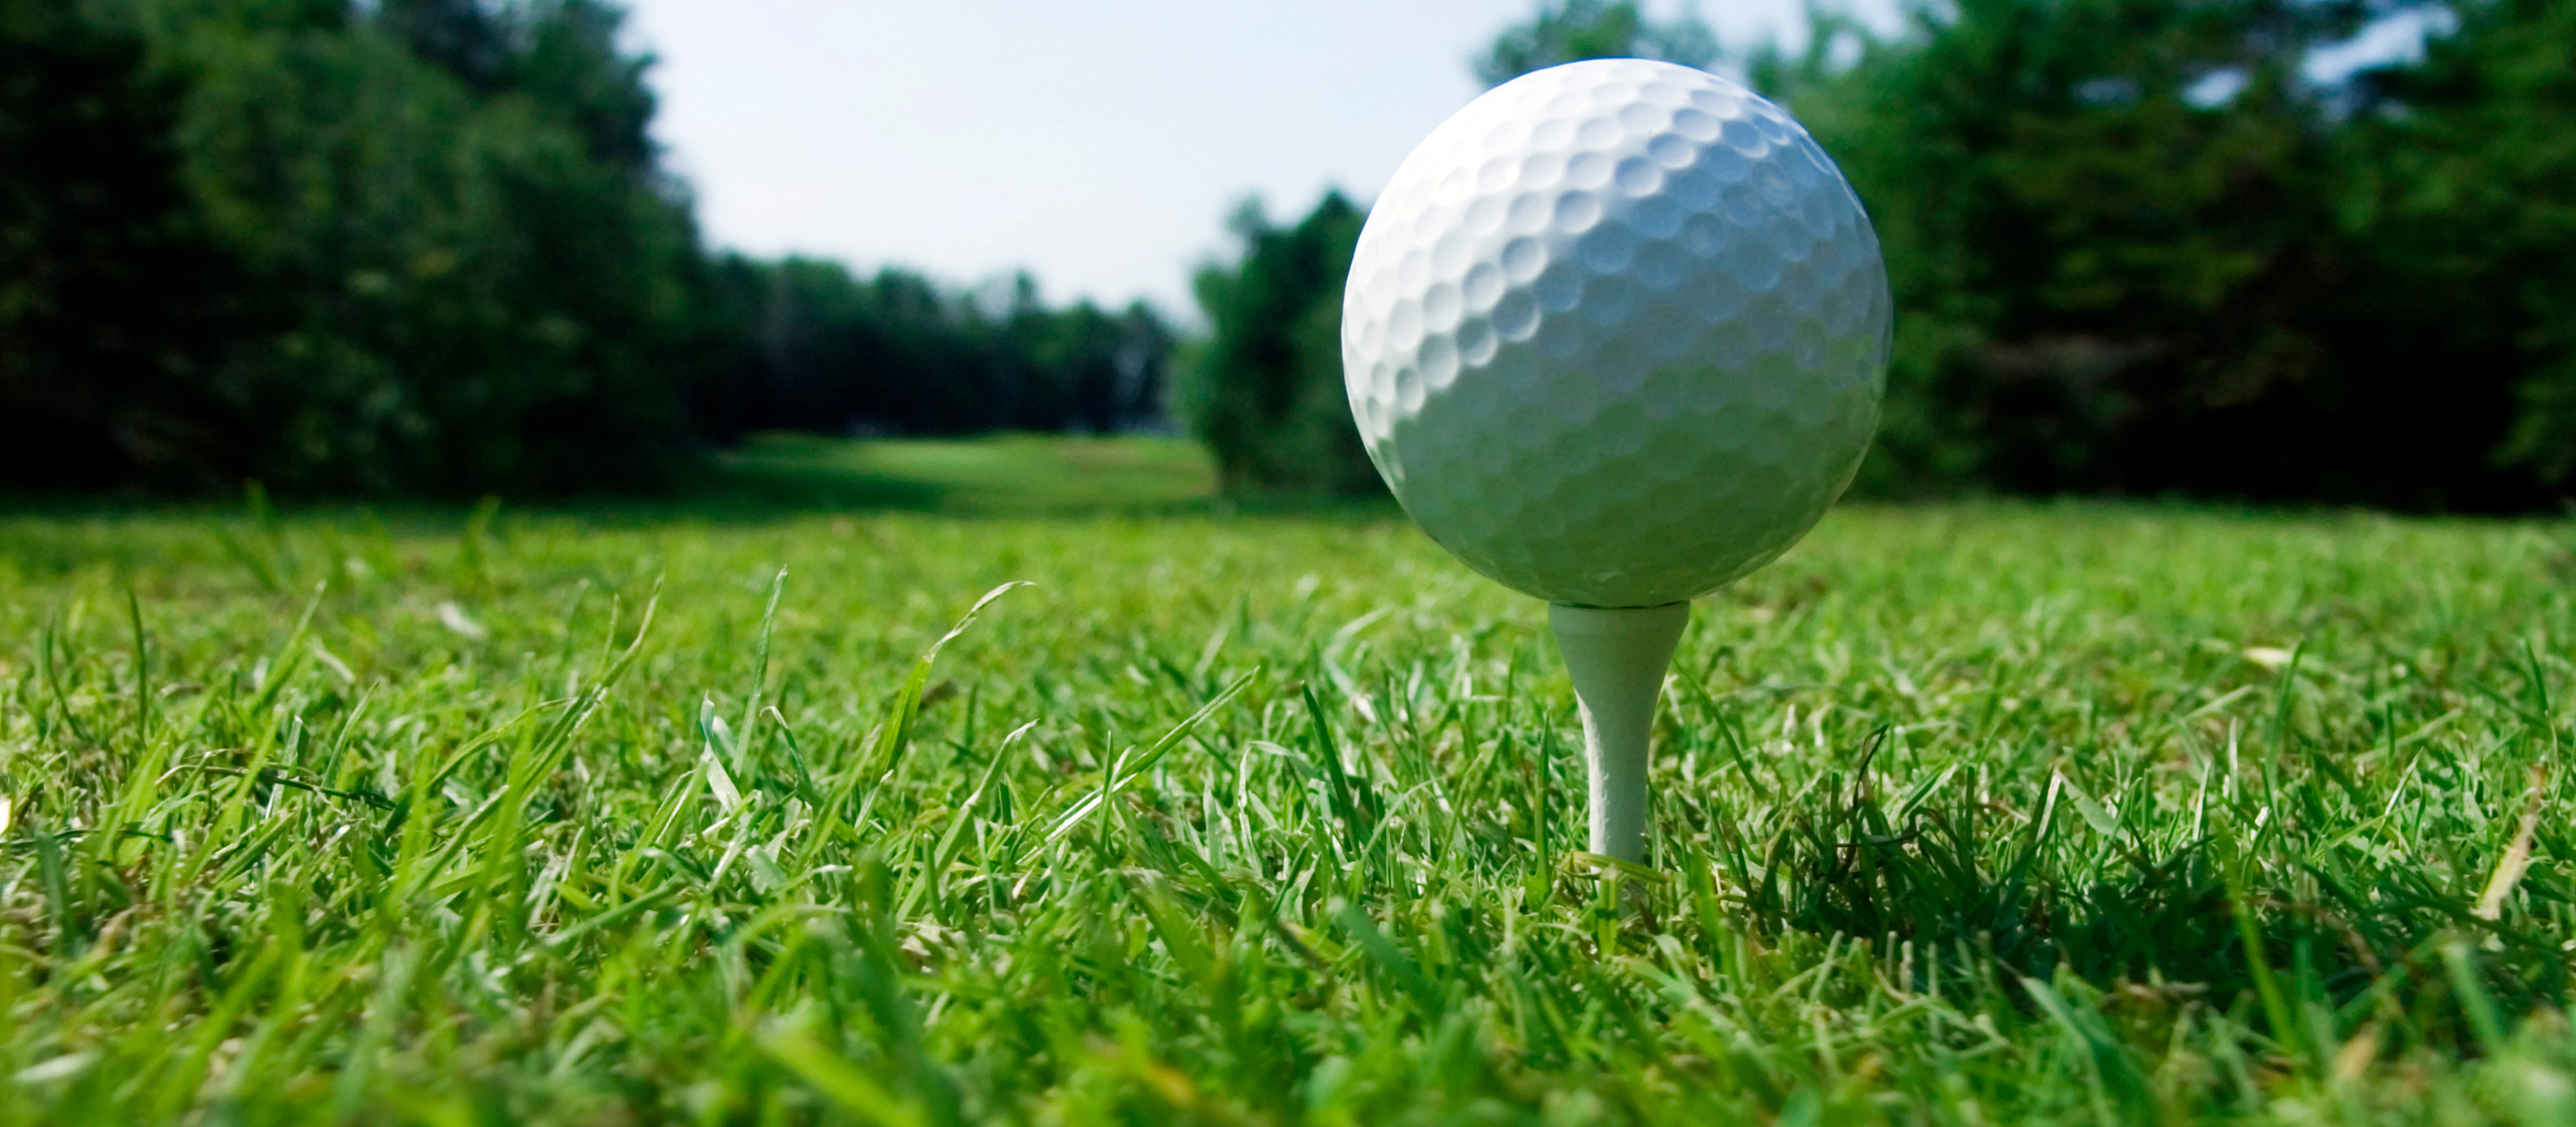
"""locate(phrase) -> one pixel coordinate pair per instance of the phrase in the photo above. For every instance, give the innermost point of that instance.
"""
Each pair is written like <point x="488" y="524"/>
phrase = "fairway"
<point x="1009" y="473"/>
<point x="1968" y="815"/>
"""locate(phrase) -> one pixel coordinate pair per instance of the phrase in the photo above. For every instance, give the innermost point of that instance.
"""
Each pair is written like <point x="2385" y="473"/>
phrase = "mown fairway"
<point x="1965" y="815"/>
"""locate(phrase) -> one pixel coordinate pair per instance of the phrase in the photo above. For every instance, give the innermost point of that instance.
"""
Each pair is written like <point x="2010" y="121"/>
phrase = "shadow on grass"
<point x="769" y="479"/>
<point x="749" y="483"/>
<point x="2287" y="936"/>
<point x="785" y="476"/>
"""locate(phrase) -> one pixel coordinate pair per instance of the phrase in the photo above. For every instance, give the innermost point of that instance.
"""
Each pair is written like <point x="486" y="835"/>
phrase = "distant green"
<point x="1011" y="473"/>
<point x="1974" y="814"/>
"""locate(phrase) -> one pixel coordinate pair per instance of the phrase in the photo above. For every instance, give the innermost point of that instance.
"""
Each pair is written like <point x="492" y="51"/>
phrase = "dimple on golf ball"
<point x="1616" y="333"/>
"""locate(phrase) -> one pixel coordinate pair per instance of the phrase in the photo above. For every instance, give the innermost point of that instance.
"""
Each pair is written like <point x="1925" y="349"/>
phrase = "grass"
<point x="1964" y="815"/>
<point x="1011" y="473"/>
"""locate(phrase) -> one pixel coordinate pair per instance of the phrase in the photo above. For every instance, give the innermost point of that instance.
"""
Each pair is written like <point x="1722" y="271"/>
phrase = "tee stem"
<point x="1617" y="657"/>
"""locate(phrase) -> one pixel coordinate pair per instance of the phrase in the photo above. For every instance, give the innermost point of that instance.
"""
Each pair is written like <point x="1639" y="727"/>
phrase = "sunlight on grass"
<point x="1009" y="473"/>
<point x="1962" y="815"/>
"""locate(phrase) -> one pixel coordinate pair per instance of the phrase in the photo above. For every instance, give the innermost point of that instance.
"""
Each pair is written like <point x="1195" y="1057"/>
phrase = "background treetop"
<point x="2139" y="247"/>
<point x="1591" y="29"/>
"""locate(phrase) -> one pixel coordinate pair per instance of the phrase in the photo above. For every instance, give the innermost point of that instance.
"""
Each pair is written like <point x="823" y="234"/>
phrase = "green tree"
<point x="2463" y="196"/>
<point x="1105" y="369"/>
<point x="461" y="37"/>
<point x="2121" y="260"/>
<point x="418" y="246"/>
<point x="116" y="306"/>
<point x="1264" y="390"/>
<point x="479" y="288"/>
<point x="827" y="351"/>
<point x="1571" y="30"/>
<point x="571" y="65"/>
<point x="478" y="303"/>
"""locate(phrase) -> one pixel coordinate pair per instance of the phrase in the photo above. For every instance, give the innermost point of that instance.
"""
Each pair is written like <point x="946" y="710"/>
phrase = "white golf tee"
<point x="1617" y="657"/>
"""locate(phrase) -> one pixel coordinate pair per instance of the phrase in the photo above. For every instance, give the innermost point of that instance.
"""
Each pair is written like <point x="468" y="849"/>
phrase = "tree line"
<point x="2137" y="248"/>
<point x="426" y="247"/>
<point x="820" y="348"/>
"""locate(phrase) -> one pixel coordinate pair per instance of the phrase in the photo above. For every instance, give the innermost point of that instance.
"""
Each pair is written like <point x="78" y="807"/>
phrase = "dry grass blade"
<point x="2517" y="855"/>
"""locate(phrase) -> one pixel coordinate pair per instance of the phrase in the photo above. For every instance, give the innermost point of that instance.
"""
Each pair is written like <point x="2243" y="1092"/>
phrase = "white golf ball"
<point x="1616" y="333"/>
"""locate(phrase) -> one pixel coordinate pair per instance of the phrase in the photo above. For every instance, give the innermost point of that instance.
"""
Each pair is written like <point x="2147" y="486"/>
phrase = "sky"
<point x="1100" y="145"/>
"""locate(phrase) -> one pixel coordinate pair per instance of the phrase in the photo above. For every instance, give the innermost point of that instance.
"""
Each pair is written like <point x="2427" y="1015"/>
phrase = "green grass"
<point x="1011" y="473"/>
<point x="1964" y="815"/>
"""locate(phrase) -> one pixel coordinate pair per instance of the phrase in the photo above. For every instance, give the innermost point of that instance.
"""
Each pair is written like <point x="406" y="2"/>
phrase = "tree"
<point x="1104" y="369"/>
<point x="826" y="351"/>
<point x="2117" y="237"/>
<point x="427" y="250"/>
<point x="476" y="302"/>
<point x="1264" y="391"/>
<point x="572" y="66"/>
<point x="116" y="307"/>
<point x="1571" y="30"/>
<point x="2461" y="195"/>
<point x="461" y="37"/>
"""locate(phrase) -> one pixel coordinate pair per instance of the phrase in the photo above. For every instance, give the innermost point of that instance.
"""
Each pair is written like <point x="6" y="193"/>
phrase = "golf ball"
<point x="1616" y="333"/>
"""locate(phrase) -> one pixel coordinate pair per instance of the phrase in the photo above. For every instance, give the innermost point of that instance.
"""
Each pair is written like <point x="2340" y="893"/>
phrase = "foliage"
<point x="485" y="290"/>
<point x="1265" y="391"/>
<point x="416" y="248"/>
<point x="1572" y="30"/>
<point x="2471" y="217"/>
<point x="1963" y="815"/>
<point x="115" y="302"/>
<point x="2135" y="251"/>
<point x="826" y="351"/>
<point x="1003" y="473"/>
<point x="2106" y="283"/>
<point x="424" y="246"/>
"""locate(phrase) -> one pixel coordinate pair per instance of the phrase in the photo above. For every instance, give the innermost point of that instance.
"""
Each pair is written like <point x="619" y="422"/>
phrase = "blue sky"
<point x="1100" y="144"/>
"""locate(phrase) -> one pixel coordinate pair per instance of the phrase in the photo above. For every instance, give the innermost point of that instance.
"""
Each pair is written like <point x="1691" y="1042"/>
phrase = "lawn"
<point x="1979" y="814"/>
<point x="1011" y="473"/>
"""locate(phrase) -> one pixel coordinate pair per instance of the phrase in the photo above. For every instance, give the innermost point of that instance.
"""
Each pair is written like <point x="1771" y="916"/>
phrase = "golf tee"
<point x="1617" y="657"/>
